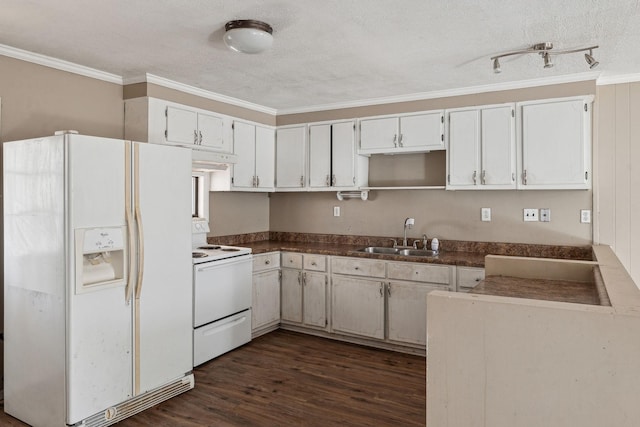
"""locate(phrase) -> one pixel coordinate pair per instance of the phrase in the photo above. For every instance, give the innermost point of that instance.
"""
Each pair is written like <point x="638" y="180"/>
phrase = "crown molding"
<point x="170" y="84"/>
<point x="470" y="90"/>
<point x="617" y="79"/>
<point x="58" y="64"/>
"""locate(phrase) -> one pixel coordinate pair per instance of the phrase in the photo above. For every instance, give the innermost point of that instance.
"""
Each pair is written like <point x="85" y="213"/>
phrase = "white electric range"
<point x="222" y="280"/>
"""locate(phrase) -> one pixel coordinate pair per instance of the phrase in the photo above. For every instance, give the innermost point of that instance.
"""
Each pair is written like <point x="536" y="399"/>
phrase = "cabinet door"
<point x="343" y="154"/>
<point x="407" y="311"/>
<point x="378" y="135"/>
<point x="290" y="157"/>
<point x="210" y="132"/>
<point x="291" y="295"/>
<point x="319" y="156"/>
<point x="498" y="152"/>
<point x="463" y="153"/>
<point x="244" y="136"/>
<point x="265" y="157"/>
<point x="556" y="150"/>
<point x="424" y="131"/>
<point x="182" y="126"/>
<point x="468" y="278"/>
<point x="315" y="299"/>
<point x="265" y="307"/>
<point x="357" y="306"/>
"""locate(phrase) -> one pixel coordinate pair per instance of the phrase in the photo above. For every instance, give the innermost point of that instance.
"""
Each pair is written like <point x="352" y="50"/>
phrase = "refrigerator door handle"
<point x="138" y="215"/>
<point x="132" y="256"/>
<point x="140" y="251"/>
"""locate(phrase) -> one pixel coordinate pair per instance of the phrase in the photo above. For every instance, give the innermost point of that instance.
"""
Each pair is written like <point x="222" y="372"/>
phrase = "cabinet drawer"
<point x="315" y="262"/>
<point x="266" y="261"/>
<point x="416" y="272"/>
<point x="357" y="267"/>
<point x="468" y="277"/>
<point x="291" y="260"/>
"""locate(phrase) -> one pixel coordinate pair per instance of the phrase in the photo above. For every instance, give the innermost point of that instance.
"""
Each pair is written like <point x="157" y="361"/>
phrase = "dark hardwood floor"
<point x="290" y="379"/>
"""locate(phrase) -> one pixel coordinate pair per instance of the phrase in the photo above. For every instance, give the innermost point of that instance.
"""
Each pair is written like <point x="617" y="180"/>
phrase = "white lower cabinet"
<point x="468" y="277"/>
<point x="357" y="306"/>
<point x="266" y="293"/>
<point x="304" y="289"/>
<point x="388" y="305"/>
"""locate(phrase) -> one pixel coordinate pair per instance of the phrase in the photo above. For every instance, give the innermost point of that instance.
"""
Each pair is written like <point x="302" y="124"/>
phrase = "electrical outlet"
<point x="336" y="211"/>
<point x="485" y="214"/>
<point x="585" y="216"/>
<point x="530" y="215"/>
<point x="545" y="215"/>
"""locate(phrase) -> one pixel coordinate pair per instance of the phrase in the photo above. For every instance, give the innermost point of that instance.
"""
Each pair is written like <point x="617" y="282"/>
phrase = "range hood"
<point x="209" y="161"/>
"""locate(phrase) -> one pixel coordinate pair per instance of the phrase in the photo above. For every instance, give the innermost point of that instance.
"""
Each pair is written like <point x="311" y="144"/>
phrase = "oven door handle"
<point x="210" y="265"/>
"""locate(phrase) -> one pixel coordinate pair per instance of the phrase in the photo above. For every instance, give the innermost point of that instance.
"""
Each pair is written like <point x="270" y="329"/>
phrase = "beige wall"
<point x="616" y="172"/>
<point x="453" y="215"/>
<point x="238" y="213"/>
<point x="38" y="101"/>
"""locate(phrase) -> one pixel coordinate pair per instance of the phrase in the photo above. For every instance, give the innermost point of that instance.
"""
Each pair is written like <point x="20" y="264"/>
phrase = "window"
<point x="200" y="195"/>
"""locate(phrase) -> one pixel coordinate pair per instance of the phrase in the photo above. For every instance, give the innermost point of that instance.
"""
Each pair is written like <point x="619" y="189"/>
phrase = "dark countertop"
<point x="466" y="259"/>
<point x="549" y="290"/>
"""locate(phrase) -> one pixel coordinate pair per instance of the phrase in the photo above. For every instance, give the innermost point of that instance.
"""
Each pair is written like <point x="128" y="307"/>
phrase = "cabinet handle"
<point x="389" y="289"/>
<point x="200" y="139"/>
<point x="482" y="179"/>
<point x="524" y="177"/>
<point x="395" y="140"/>
<point x="381" y="286"/>
<point x="357" y="268"/>
<point x="195" y="136"/>
<point x="257" y="181"/>
<point x="400" y="140"/>
<point x="313" y="263"/>
<point x="301" y="180"/>
<point x="299" y="278"/>
<point x="475" y="174"/>
<point x="253" y="181"/>
<point x="304" y="279"/>
<point x="333" y="180"/>
<point x="327" y="182"/>
<point x="513" y="176"/>
<point x="268" y="261"/>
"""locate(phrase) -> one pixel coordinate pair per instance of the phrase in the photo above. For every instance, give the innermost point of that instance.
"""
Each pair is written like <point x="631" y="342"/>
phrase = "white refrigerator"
<point x="98" y="289"/>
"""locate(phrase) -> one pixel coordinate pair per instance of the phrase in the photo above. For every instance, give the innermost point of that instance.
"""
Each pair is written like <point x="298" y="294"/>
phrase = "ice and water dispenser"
<point x="100" y="258"/>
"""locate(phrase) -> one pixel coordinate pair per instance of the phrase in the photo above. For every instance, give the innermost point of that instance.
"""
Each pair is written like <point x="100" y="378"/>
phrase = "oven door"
<point x="221" y="288"/>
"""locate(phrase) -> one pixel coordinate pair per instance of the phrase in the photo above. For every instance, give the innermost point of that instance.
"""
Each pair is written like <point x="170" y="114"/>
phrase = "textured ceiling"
<point x="331" y="51"/>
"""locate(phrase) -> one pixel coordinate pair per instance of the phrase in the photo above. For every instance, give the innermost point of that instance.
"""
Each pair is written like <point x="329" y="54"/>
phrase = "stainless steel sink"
<point x="379" y="250"/>
<point x="417" y="252"/>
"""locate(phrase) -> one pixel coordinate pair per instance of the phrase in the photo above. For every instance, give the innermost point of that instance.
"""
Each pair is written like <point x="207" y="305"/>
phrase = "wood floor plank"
<point x="286" y="378"/>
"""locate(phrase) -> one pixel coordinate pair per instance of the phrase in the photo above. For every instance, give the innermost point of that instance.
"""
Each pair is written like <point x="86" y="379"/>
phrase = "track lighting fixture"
<point x="590" y="59"/>
<point x="545" y="50"/>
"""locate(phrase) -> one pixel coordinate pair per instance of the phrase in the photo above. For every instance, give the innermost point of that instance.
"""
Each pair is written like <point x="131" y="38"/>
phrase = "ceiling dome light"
<point x="248" y="36"/>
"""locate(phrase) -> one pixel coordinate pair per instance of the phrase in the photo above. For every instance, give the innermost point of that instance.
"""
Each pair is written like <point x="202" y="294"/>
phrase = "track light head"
<point x="547" y="60"/>
<point x="591" y="60"/>
<point x="496" y="66"/>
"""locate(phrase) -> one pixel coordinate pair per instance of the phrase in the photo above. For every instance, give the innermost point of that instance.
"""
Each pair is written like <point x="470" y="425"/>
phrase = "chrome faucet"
<point x="408" y="223"/>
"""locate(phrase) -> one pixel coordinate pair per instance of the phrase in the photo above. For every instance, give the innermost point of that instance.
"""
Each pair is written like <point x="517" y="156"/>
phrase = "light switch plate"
<point x="485" y="214"/>
<point x="530" y="215"/>
<point x="545" y="215"/>
<point x="585" y="216"/>
<point x="336" y="211"/>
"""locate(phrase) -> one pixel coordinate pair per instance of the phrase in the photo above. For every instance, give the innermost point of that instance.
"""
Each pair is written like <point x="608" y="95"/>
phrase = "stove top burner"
<point x="209" y="247"/>
<point x="230" y="249"/>
<point x="198" y="254"/>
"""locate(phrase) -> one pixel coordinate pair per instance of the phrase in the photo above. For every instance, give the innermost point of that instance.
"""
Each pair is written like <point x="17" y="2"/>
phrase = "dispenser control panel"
<point x="103" y="239"/>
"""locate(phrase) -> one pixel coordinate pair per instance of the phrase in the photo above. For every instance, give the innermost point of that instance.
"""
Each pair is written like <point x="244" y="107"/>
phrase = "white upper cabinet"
<point x="407" y="133"/>
<point x="333" y="162"/>
<point x="164" y="122"/>
<point x="255" y="148"/>
<point x="556" y="144"/>
<point x="290" y="158"/>
<point x="187" y="126"/>
<point x="482" y="148"/>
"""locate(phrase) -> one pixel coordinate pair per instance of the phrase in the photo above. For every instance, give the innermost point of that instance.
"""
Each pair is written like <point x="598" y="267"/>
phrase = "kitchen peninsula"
<point x="507" y="361"/>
